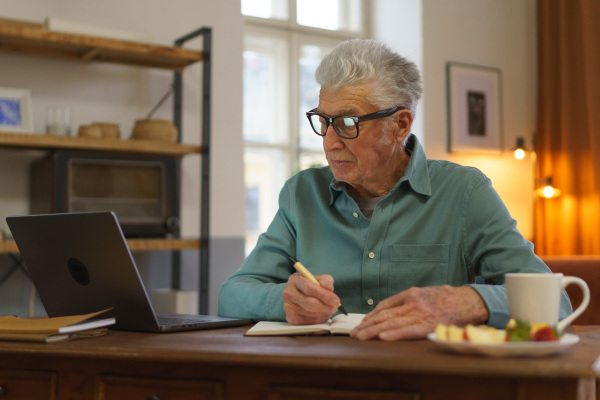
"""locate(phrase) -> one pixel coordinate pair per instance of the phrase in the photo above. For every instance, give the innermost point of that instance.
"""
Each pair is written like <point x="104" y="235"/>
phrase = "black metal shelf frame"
<point x="203" y="283"/>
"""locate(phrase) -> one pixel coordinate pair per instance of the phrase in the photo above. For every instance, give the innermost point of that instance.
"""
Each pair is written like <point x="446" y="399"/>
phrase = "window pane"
<point x="312" y="159"/>
<point x="310" y="57"/>
<point x="330" y="14"/>
<point x="277" y="9"/>
<point x="274" y="54"/>
<point x="265" y="172"/>
<point x="265" y="90"/>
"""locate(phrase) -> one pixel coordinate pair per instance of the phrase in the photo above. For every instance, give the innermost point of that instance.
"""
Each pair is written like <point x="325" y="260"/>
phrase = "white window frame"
<point x="297" y="36"/>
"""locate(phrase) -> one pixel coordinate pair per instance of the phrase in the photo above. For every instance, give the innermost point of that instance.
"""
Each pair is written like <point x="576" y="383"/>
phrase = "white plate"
<point x="509" y="348"/>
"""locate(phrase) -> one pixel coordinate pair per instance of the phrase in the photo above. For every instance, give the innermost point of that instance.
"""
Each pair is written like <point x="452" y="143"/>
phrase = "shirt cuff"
<point x="274" y="305"/>
<point x="496" y="301"/>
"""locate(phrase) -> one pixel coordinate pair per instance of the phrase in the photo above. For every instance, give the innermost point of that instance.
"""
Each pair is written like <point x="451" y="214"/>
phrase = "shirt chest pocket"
<point x="418" y="265"/>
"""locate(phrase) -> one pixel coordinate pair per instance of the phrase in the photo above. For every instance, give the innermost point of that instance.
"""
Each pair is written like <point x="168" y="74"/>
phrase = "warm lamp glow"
<point x="519" y="154"/>
<point x="548" y="191"/>
<point x="520" y="149"/>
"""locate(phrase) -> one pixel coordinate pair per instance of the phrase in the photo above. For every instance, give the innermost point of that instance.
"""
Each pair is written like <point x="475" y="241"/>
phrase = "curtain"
<point x="568" y="126"/>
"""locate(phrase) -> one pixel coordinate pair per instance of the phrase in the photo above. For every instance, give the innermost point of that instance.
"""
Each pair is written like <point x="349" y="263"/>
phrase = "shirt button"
<point x="355" y="214"/>
<point x="371" y="255"/>
<point x="370" y="302"/>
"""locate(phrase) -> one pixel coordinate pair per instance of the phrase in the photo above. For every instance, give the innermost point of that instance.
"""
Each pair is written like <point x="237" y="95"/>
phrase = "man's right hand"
<point x="306" y="303"/>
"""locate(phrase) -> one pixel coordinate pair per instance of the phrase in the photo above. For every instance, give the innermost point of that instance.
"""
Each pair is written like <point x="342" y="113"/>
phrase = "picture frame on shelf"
<point x="16" y="114"/>
<point x="474" y="108"/>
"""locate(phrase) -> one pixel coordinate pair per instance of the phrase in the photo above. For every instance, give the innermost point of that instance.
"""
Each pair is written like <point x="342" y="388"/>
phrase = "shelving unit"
<point x="31" y="38"/>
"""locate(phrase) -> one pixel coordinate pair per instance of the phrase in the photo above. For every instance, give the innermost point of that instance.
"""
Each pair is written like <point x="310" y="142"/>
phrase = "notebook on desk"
<point x="80" y="263"/>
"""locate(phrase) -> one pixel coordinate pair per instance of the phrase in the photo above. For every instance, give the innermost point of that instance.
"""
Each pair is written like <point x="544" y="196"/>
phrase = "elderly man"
<point x="402" y="237"/>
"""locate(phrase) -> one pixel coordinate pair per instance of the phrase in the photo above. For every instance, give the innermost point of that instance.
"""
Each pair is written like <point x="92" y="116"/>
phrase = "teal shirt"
<point x="441" y="224"/>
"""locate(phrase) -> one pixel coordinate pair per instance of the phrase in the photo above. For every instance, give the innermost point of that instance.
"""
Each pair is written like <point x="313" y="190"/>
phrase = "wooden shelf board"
<point x="31" y="38"/>
<point x="47" y="142"/>
<point x="163" y="244"/>
<point x="9" y="246"/>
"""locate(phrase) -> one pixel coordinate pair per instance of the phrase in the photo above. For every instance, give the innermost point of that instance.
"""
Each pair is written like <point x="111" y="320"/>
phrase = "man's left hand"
<point x="413" y="313"/>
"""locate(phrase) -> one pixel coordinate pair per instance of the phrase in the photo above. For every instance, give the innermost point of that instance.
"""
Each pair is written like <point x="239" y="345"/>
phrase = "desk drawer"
<point x="27" y="385"/>
<point x="132" y="388"/>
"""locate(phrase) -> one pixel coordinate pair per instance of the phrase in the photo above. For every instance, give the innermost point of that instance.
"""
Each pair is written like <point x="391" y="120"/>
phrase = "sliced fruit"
<point x="441" y="332"/>
<point x="455" y="334"/>
<point x="546" y="334"/>
<point x="485" y="334"/>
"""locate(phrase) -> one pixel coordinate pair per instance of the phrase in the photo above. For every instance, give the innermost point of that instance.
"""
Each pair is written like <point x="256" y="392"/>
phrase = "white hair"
<point x="396" y="80"/>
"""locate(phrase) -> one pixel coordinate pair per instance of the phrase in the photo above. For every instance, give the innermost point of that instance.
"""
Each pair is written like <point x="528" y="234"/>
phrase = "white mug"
<point x="535" y="297"/>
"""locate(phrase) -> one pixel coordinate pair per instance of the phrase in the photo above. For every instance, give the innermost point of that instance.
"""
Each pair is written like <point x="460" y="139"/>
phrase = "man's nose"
<point x="331" y="140"/>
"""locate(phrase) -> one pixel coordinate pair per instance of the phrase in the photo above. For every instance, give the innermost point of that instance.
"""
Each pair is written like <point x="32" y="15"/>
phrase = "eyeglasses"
<point x="346" y="127"/>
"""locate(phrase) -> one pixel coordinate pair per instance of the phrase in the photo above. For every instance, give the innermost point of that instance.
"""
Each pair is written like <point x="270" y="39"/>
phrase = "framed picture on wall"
<point x="474" y="109"/>
<point x="15" y="111"/>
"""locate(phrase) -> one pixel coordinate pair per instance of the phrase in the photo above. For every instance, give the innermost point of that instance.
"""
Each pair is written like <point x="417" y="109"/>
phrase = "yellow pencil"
<point x="306" y="273"/>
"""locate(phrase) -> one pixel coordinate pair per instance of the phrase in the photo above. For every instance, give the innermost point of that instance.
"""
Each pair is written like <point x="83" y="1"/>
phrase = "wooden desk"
<point x="223" y="364"/>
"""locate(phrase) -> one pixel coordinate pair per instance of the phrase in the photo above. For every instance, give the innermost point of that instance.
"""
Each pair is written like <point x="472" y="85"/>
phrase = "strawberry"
<point x="545" y="334"/>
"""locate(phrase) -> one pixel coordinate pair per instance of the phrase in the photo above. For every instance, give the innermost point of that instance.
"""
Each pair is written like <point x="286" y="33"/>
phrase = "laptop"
<point x="80" y="263"/>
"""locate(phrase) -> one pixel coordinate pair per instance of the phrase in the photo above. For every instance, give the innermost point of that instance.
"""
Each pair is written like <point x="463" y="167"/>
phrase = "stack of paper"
<point x="53" y="329"/>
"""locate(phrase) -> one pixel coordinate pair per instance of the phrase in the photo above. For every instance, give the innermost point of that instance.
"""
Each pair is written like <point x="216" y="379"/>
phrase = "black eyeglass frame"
<point x="368" y="117"/>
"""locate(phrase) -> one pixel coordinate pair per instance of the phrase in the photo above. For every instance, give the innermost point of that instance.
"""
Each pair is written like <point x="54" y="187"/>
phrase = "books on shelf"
<point x="339" y="325"/>
<point x="53" y="329"/>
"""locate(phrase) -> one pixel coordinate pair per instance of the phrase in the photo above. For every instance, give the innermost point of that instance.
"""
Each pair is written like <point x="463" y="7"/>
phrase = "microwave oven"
<point x="142" y="190"/>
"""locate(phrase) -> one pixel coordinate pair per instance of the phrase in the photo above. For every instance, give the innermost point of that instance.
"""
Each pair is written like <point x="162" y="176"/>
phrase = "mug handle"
<point x="566" y="281"/>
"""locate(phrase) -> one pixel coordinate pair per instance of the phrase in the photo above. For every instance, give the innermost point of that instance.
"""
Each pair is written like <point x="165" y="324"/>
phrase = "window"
<point x="284" y="42"/>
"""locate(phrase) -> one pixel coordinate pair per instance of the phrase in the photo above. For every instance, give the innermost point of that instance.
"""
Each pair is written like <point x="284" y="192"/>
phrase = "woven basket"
<point x="154" y="129"/>
<point x="109" y="130"/>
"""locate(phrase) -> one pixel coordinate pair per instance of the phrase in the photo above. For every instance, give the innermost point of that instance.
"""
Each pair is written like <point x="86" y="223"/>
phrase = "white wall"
<point x="492" y="33"/>
<point x="400" y="25"/>
<point x="123" y="94"/>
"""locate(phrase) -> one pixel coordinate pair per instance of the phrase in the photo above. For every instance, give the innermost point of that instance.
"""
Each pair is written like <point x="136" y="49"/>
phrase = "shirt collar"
<point x="416" y="173"/>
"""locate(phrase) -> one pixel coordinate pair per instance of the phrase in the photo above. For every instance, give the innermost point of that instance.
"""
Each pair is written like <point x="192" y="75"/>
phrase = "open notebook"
<point x="339" y="325"/>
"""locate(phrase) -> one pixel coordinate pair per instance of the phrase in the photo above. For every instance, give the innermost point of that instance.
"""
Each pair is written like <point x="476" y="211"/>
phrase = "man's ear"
<point x="403" y="120"/>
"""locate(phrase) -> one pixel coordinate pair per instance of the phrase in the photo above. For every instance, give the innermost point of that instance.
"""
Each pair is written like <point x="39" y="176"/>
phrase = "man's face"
<point x="371" y="163"/>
